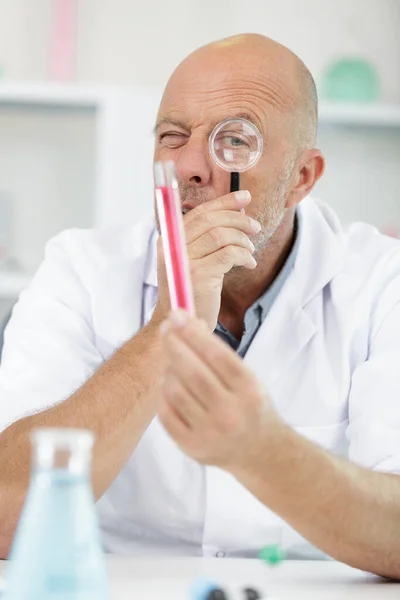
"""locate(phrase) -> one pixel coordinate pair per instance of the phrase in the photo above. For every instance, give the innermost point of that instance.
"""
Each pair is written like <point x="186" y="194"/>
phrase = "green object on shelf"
<point x="273" y="555"/>
<point x="351" y="80"/>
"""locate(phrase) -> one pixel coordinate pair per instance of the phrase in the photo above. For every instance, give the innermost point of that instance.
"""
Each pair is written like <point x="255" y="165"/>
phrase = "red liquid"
<point x="179" y="286"/>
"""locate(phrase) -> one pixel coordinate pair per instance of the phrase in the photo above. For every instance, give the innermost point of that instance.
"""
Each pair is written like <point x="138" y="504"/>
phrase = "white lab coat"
<point x="328" y="352"/>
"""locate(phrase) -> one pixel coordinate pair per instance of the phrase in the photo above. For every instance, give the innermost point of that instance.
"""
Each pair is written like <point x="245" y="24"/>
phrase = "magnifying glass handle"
<point x="235" y="182"/>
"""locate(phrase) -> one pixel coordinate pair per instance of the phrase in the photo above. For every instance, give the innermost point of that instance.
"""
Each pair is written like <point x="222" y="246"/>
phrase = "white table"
<point x="170" y="579"/>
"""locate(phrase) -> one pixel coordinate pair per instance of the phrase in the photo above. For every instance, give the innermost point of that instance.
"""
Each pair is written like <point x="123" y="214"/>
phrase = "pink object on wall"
<point x="392" y="230"/>
<point x="63" y="40"/>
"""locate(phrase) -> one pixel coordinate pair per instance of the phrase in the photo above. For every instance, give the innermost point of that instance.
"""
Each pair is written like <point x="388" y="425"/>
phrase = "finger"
<point x="232" y="201"/>
<point x="223" y="260"/>
<point x="190" y="410"/>
<point x="203" y="222"/>
<point x="217" y="238"/>
<point x="212" y="352"/>
<point x="173" y="423"/>
<point x="193" y="373"/>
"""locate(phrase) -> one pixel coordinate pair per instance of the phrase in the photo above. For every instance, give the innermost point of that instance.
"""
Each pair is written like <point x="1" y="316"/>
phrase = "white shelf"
<point x="367" y="115"/>
<point x="54" y="95"/>
<point x="12" y="284"/>
<point x="122" y="167"/>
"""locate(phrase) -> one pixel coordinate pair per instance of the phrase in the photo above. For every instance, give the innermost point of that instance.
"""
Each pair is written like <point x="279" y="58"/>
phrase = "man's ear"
<point x="309" y="168"/>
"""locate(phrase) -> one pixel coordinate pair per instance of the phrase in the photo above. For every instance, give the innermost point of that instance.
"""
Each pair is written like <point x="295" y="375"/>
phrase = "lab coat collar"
<point x="319" y="259"/>
<point x="150" y="272"/>
<point x="320" y="255"/>
<point x="288" y="326"/>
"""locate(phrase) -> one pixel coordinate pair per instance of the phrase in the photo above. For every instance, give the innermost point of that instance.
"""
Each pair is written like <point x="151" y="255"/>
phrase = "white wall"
<point x="321" y="30"/>
<point x="140" y="42"/>
<point x="24" y="33"/>
<point x="47" y="172"/>
<point x="132" y="41"/>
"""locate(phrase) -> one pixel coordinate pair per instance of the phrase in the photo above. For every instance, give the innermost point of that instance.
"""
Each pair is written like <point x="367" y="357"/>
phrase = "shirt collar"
<point x="150" y="272"/>
<point x="264" y="302"/>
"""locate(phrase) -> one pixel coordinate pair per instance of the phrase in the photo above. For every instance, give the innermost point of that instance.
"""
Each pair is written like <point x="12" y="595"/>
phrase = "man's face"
<point x="194" y="102"/>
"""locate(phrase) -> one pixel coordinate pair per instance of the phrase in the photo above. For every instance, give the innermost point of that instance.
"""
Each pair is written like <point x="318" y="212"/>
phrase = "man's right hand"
<point x="217" y="237"/>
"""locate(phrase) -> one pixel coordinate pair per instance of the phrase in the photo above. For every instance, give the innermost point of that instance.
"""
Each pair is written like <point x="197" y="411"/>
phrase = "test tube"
<point x="173" y="236"/>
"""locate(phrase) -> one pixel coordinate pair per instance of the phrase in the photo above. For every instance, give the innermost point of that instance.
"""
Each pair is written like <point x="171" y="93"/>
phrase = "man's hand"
<point x="213" y="408"/>
<point x="217" y="237"/>
<point x="211" y="404"/>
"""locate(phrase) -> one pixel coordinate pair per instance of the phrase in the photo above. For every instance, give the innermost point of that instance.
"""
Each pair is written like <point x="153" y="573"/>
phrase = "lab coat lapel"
<point x="150" y="288"/>
<point x="122" y="309"/>
<point x="289" y="326"/>
<point x="285" y="331"/>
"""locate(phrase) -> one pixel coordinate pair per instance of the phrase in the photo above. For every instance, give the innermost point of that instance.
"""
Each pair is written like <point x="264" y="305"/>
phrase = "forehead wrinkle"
<point x="252" y="102"/>
<point x="279" y="94"/>
<point x="272" y="91"/>
<point x="249" y="94"/>
<point x="218" y="112"/>
<point x="246" y="110"/>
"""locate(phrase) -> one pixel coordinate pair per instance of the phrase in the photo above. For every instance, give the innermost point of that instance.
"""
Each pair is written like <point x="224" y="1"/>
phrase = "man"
<point x="313" y="311"/>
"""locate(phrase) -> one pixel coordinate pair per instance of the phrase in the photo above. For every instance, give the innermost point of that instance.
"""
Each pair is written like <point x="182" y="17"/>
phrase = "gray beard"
<point x="193" y="193"/>
<point x="273" y="212"/>
<point x="270" y="218"/>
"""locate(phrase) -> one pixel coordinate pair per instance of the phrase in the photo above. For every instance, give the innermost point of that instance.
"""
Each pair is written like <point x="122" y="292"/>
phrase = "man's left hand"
<point x="211" y="404"/>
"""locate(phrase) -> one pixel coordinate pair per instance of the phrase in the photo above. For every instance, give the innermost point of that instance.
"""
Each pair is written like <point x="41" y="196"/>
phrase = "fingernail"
<point x="252" y="246"/>
<point x="255" y="225"/>
<point x="243" y="196"/>
<point x="179" y="317"/>
<point x="242" y="211"/>
<point x="165" y="327"/>
<point x="254" y="262"/>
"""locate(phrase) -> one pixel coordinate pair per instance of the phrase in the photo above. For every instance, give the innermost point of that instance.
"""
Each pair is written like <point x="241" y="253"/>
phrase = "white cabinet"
<point x="71" y="157"/>
<point x="361" y="144"/>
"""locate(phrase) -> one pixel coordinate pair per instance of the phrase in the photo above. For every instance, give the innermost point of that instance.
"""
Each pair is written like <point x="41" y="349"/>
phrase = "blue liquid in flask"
<point x="57" y="553"/>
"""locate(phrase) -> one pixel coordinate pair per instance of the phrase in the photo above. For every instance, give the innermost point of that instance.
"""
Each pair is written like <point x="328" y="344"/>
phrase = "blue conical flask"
<point x="57" y="553"/>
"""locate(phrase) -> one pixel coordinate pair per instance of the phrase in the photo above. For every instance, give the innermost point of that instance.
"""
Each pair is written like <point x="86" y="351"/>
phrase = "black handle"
<point x="235" y="182"/>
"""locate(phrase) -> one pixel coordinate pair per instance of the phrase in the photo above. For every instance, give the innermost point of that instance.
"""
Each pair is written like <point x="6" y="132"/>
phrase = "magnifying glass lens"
<point x="236" y="145"/>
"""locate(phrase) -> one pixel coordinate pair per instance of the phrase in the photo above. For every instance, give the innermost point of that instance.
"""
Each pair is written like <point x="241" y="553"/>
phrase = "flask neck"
<point x="67" y="450"/>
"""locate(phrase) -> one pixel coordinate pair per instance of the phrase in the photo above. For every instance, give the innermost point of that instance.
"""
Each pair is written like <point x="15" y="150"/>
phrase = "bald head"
<point x="278" y="78"/>
<point x="251" y="77"/>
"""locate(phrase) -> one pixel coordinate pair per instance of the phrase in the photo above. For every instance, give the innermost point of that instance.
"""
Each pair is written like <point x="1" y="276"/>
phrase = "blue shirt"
<point x="257" y="312"/>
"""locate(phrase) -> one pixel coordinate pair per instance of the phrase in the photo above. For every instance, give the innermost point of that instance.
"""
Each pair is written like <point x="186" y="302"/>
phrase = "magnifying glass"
<point x="235" y="145"/>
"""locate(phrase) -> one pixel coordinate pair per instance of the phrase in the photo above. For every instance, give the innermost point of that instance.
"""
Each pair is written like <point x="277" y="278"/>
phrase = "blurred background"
<point x="80" y="81"/>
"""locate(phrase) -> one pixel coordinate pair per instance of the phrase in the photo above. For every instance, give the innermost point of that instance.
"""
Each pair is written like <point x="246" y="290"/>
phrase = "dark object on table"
<point x="216" y="594"/>
<point x="251" y="594"/>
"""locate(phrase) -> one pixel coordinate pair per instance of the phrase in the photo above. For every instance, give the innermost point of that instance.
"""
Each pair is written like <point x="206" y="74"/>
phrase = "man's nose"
<point x="193" y="163"/>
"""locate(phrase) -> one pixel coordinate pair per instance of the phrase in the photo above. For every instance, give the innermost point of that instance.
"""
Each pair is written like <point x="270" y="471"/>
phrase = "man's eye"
<point x="231" y="141"/>
<point x="172" y="140"/>
<point x="235" y="141"/>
